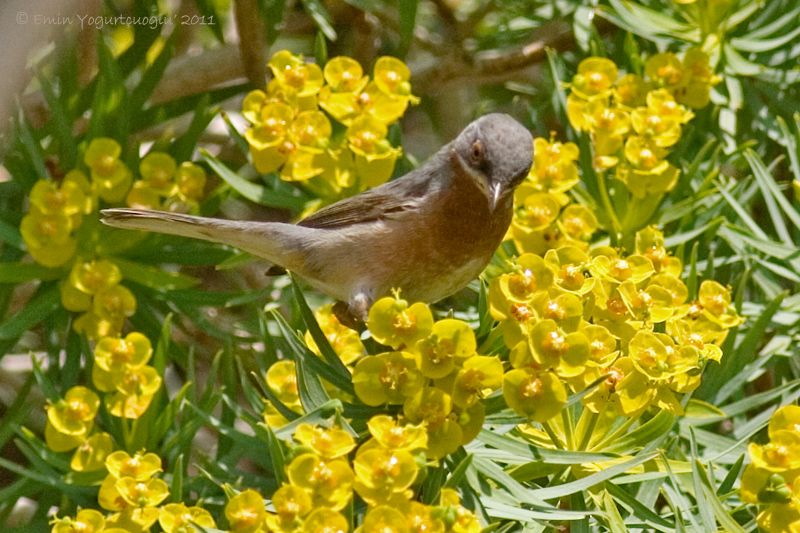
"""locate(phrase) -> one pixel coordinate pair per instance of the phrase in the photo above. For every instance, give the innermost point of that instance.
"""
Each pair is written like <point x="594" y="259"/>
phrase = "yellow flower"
<point x="110" y="175"/>
<point x="50" y="199"/>
<point x="86" y="521"/>
<point x="665" y="69"/>
<point x="96" y="327"/>
<point x="631" y="90"/>
<point x="91" y="455"/>
<point x="390" y="434"/>
<point x="374" y="157"/>
<point x="433" y="406"/>
<point x="780" y="454"/>
<point x="158" y="171"/>
<point x="141" y="466"/>
<point x="346" y="80"/>
<point x="450" y="342"/>
<point x="324" y="520"/>
<point x="329" y="482"/>
<point x="90" y="277"/>
<point x="245" y="512"/>
<point x="392" y="77"/>
<point x="135" y="388"/>
<point x="74" y="414"/>
<point x="393" y="323"/>
<point x="479" y="375"/>
<point x="291" y="503"/>
<point x="132" y="520"/>
<point x="190" y="180"/>
<point x="464" y="520"/>
<point x="114" y="302"/>
<point x="386" y="378"/>
<point x="384" y="519"/>
<point x="294" y="75"/>
<point x="696" y="91"/>
<point x="48" y="238"/>
<point x="112" y="353"/>
<point x="382" y="473"/>
<point x="328" y="443"/>
<point x="178" y="518"/>
<point x="148" y="493"/>
<point x="422" y="518"/>
<point x="554" y="169"/>
<point x="536" y="395"/>
<point x="595" y="78"/>
<point x="786" y="418"/>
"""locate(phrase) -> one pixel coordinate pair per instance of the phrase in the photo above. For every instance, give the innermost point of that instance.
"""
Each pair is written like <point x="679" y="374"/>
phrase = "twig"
<point x="252" y="43"/>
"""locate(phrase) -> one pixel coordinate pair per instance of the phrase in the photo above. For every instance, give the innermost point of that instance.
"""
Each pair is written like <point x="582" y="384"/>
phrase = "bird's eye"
<point x="476" y="152"/>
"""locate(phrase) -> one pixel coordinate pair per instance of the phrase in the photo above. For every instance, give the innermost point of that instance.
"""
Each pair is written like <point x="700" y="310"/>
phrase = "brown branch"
<point x="252" y="41"/>
<point x="496" y="65"/>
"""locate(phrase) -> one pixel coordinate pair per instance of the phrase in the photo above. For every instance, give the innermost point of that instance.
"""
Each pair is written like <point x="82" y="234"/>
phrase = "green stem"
<point x="553" y="437"/>
<point x="569" y="436"/>
<point x="619" y="431"/>
<point x="586" y="437"/>
<point x="606" y="200"/>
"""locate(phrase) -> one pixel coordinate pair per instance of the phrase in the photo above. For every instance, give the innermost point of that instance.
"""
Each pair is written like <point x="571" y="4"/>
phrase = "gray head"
<point x="496" y="151"/>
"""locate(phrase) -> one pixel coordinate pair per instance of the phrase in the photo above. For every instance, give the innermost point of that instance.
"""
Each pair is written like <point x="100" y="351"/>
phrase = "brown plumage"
<point x="427" y="233"/>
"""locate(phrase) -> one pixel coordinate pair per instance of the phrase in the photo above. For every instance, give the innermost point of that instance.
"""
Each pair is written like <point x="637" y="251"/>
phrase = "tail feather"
<point x="269" y="240"/>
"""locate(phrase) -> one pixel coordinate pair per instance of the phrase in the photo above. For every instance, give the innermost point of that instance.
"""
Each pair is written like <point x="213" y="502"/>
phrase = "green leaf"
<point x="10" y="235"/>
<point x="312" y="394"/>
<point x="272" y="13"/>
<point x="565" y="489"/>
<point x="154" y="277"/>
<point x="46" y="301"/>
<point x="184" y="146"/>
<point x="252" y="191"/>
<point x="208" y="9"/>
<point x="23" y="272"/>
<point x="319" y="337"/>
<point x="721" y="381"/>
<point x="152" y="75"/>
<point x="408" y="18"/>
<point x="322" y="18"/>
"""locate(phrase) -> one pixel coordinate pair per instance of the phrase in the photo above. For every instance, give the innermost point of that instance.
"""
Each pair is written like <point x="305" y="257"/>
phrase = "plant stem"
<point x="606" y="200"/>
<point x="553" y="437"/>
<point x="586" y="437"/>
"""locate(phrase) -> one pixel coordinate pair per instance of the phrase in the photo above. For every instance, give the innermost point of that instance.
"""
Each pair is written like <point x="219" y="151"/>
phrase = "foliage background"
<point x="734" y="217"/>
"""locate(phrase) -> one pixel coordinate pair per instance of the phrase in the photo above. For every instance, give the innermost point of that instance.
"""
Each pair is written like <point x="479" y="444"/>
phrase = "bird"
<point x="426" y="234"/>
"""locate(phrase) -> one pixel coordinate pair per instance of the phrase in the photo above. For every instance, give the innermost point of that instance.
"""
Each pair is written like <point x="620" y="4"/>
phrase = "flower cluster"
<point x="93" y="288"/>
<point x="56" y="212"/>
<point x="322" y="480"/>
<point x="132" y="495"/>
<point x="291" y="134"/>
<point x="572" y="318"/>
<point x="544" y="216"/>
<point x="434" y="372"/>
<point x="61" y="230"/>
<point x="166" y="186"/>
<point x="634" y="120"/>
<point x="771" y="479"/>
<point x="120" y="368"/>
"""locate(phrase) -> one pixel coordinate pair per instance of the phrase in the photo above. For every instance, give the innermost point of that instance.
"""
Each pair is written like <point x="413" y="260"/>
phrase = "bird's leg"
<point x="343" y="314"/>
<point x="353" y="314"/>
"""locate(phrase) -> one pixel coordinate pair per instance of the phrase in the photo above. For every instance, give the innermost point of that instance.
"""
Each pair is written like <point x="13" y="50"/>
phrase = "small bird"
<point x="427" y="233"/>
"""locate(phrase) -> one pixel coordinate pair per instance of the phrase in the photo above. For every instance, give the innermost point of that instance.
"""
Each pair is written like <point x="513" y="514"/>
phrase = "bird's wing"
<point x="380" y="203"/>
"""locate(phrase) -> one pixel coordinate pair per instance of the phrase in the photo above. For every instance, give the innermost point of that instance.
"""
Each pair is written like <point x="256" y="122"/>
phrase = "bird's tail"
<point x="273" y="241"/>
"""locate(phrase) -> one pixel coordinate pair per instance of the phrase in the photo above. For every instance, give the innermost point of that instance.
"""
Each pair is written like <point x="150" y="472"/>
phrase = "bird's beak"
<point x="495" y="194"/>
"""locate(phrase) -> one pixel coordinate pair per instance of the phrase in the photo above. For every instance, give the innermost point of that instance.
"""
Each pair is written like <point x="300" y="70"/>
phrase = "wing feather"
<point x="380" y="203"/>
